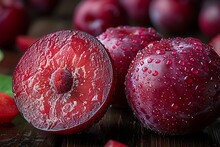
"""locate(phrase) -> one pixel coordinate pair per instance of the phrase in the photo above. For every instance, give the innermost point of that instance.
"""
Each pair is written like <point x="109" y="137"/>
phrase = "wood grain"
<point x="118" y="124"/>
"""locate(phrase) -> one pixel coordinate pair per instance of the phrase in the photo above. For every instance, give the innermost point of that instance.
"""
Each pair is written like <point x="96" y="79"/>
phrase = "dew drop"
<point x="195" y="71"/>
<point x="155" y="73"/>
<point x="188" y="79"/>
<point x="117" y="43"/>
<point x="206" y="68"/>
<point x="135" y="41"/>
<point x="174" y="106"/>
<point x="181" y="62"/>
<point x="104" y="36"/>
<point x="160" y="52"/>
<point x="144" y="69"/>
<point x="114" y="47"/>
<point x="174" y="52"/>
<point x="140" y="86"/>
<point x="136" y="78"/>
<point x="183" y="51"/>
<point x="191" y="59"/>
<point x="150" y="60"/>
<point x="157" y="61"/>
<point x="186" y="69"/>
<point x="169" y="61"/>
<point x="123" y="48"/>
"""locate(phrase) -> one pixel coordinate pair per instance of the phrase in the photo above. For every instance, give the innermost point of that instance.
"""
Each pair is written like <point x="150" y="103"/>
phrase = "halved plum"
<point x="64" y="82"/>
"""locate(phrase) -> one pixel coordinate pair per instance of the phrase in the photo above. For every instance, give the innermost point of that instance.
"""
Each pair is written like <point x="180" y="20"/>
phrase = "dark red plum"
<point x="137" y="10"/>
<point x="95" y="16"/>
<point x="209" y="18"/>
<point x="173" y="16"/>
<point x="14" y="20"/>
<point x="173" y="84"/>
<point x="43" y="6"/>
<point x="23" y="42"/>
<point x="123" y="43"/>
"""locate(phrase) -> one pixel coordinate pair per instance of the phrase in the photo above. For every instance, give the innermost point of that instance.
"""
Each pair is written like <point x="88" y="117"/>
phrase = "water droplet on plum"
<point x="181" y="62"/>
<point x="144" y="69"/>
<point x="169" y="61"/>
<point x="157" y="61"/>
<point x="188" y="79"/>
<point x="155" y="73"/>
<point x="194" y="71"/>
<point x="149" y="60"/>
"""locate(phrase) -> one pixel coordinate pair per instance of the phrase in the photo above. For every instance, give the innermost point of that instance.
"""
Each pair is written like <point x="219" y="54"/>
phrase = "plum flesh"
<point x="75" y="60"/>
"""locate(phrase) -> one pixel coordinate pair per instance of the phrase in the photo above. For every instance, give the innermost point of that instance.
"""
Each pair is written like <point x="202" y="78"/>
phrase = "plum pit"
<point x="62" y="80"/>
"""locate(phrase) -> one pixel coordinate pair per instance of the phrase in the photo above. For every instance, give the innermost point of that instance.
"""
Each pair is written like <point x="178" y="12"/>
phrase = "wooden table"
<point x="118" y="124"/>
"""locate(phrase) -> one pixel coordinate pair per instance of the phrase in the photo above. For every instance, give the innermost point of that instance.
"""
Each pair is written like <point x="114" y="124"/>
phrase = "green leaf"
<point x="6" y="84"/>
<point x="1" y="55"/>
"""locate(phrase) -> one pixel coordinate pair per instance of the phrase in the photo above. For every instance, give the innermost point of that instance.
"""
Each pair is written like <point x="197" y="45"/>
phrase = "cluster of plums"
<point x="67" y="79"/>
<point x="170" y="17"/>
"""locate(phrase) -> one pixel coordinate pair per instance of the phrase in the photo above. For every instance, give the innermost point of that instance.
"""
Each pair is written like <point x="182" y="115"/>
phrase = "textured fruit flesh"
<point x="8" y="108"/>
<point x="63" y="82"/>
<point x="173" y="86"/>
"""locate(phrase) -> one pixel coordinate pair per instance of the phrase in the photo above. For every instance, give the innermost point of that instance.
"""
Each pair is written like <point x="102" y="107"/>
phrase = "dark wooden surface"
<point x="118" y="123"/>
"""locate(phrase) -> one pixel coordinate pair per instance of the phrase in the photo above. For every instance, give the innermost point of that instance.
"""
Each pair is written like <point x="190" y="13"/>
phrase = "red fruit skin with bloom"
<point x="173" y="16"/>
<point x="43" y="6"/>
<point x="8" y="108"/>
<point x="64" y="82"/>
<point x="137" y="10"/>
<point x="14" y="20"/>
<point x="95" y="16"/>
<point x="209" y="18"/>
<point x="24" y="42"/>
<point x="173" y="86"/>
<point x="123" y="43"/>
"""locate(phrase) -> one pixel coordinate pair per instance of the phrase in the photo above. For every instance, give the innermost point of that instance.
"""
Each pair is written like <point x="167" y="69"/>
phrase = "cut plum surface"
<point x="64" y="82"/>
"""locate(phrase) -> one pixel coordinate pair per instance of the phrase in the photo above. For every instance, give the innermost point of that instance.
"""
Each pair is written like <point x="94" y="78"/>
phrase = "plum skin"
<point x="173" y="16"/>
<point x="123" y="43"/>
<point x="95" y="16"/>
<point x="14" y="21"/>
<point x="209" y="18"/>
<point x="170" y="92"/>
